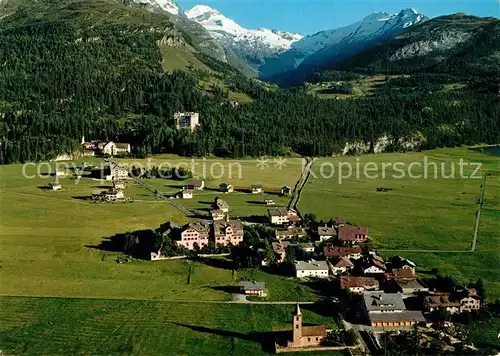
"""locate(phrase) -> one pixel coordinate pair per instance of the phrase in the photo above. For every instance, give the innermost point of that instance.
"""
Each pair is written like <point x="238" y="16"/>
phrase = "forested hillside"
<point x="458" y="44"/>
<point x="97" y="68"/>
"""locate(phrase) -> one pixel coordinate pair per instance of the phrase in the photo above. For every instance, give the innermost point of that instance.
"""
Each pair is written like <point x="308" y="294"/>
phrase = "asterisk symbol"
<point x="280" y="163"/>
<point x="262" y="163"/>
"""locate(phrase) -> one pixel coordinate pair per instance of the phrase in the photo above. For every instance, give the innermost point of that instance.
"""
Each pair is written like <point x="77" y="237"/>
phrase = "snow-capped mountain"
<point x="371" y="27"/>
<point x="334" y="45"/>
<point x="254" y="46"/>
<point x="165" y="5"/>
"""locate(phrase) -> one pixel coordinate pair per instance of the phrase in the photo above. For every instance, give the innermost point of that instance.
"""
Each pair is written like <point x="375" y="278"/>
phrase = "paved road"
<point x="239" y="298"/>
<point x="301" y="183"/>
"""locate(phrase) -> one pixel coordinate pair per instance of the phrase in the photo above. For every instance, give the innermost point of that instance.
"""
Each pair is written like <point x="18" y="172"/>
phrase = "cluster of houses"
<point x="105" y="148"/>
<point x="194" y="185"/>
<point x="200" y="233"/>
<point x="341" y="254"/>
<point x="117" y="174"/>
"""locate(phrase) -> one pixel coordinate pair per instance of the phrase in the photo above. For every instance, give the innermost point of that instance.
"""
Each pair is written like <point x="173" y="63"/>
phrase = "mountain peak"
<point x="376" y="15"/>
<point x="200" y="10"/>
<point x="165" y="5"/>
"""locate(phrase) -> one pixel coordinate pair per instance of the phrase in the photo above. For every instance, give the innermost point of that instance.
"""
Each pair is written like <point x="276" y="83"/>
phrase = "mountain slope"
<point x="315" y="51"/>
<point x="161" y="5"/>
<point x="197" y="35"/>
<point x="253" y="47"/>
<point x="456" y="43"/>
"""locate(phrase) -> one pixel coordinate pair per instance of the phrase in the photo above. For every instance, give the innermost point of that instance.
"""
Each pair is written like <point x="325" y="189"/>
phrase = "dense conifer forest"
<point x="61" y="79"/>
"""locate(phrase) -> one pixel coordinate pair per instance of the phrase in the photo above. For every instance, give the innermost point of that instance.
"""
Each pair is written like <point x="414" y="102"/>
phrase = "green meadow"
<point x="63" y="326"/>
<point x="55" y="243"/>
<point x="64" y="292"/>
<point x="436" y="214"/>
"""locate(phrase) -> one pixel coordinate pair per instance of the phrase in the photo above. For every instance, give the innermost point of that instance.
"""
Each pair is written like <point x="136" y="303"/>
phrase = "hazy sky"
<point x="310" y="16"/>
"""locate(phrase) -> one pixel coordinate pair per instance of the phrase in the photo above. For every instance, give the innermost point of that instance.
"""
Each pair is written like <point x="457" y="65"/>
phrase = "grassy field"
<point x="53" y="244"/>
<point x="240" y="173"/>
<point x="365" y="86"/>
<point x="100" y="327"/>
<point x="429" y="214"/>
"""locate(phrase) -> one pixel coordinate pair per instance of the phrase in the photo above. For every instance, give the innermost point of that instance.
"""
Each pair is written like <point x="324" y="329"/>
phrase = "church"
<point x="305" y="336"/>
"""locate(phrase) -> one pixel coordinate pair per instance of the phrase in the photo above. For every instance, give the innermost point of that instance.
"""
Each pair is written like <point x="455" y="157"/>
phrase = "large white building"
<point x="187" y="120"/>
<point x="318" y="269"/>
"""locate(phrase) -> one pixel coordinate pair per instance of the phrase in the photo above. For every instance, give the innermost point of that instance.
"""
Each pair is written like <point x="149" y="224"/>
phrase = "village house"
<point x="305" y="336"/>
<point x="221" y="205"/>
<point x="288" y="233"/>
<point x="342" y="265"/>
<point x="194" y="233"/>
<point x="354" y="252"/>
<point x="55" y="186"/>
<point x="116" y="172"/>
<point x="108" y="195"/>
<point x="388" y="309"/>
<point x="256" y="188"/>
<point x="111" y="148"/>
<point x="339" y="222"/>
<point x="88" y="153"/>
<point x="409" y="286"/>
<point x="358" y="285"/>
<point x="217" y="214"/>
<point x="352" y="234"/>
<point x="374" y="265"/>
<point x="118" y="184"/>
<point x="282" y="216"/>
<point x="226" y="188"/>
<point x="317" y="269"/>
<point x="459" y="301"/>
<point x="286" y="191"/>
<point x="326" y="233"/>
<point x="186" y="120"/>
<point x="399" y="262"/>
<point x="253" y="289"/>
<point x="403" y="273"/>
<point x="279" y="248"/>
<point x="195" y="184"/>
<point x="307" y="248"/>
<point x="186" y="194"/>
<point x="228" y="232"/>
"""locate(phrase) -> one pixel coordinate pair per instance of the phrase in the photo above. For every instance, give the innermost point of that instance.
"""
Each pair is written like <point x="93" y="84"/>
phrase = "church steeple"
<point x="297" y="310"/>
<point x="297" y="326"/>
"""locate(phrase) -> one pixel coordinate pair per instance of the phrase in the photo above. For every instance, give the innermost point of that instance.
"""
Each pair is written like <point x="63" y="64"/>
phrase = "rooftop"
<point x="316" y="330"/>
<point x="353" y="282"/>
<point x="311" y="266"/>
<point x="380" y="301"/>
<point x="340" y="251"/>
<point x="403" y="273"/>
<point x="278" y="212"/>
<point x="327" y="231"/>
<point x="411" y="284"/>
<point x="348" y="233"/>
<point x="407" y="315"/>
<point x="252" y="285"/>
<point x="343" y="262"/>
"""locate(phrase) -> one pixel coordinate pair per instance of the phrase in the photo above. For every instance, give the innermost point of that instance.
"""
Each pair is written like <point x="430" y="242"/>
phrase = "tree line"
<point x="60" y="81"/>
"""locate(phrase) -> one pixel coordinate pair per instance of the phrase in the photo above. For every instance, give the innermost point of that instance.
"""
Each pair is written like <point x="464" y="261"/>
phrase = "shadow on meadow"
<point x="116" y="243"/>
<point x="227" y="289"/>
<point x="256" y="202"/>
<point x="265" y="339"/>
<point x="221" y="263"/>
